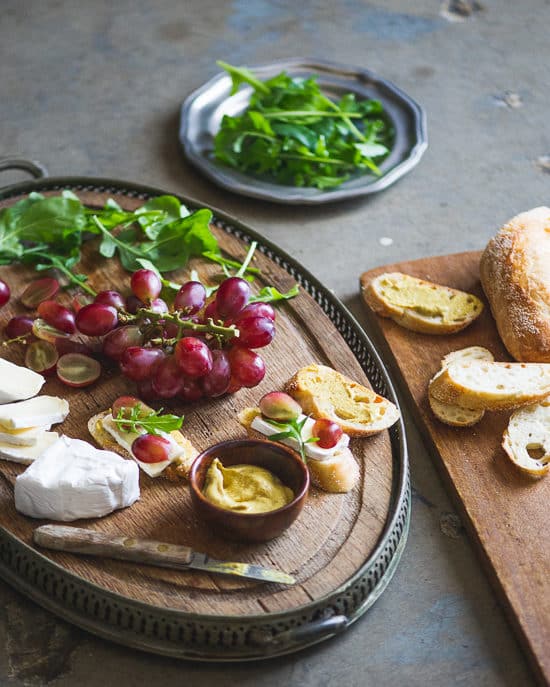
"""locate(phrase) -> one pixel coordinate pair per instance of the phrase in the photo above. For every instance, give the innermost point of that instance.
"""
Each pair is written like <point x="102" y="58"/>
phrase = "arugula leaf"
<point x="152" y="423"/>
<point x="269" y="294"/>
<point x="292" y="429"/>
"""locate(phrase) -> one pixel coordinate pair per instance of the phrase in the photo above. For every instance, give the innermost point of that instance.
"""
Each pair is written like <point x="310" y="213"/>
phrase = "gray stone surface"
<point x="93" y="88"/>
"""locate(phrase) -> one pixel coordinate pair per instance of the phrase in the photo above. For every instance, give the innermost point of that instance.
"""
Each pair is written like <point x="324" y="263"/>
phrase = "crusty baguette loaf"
<point x="420" y="305"/>
<point x="323" y="392"/>
<point x="487" y="385"/>
<point x="337" y="475"/>
<point x="527" y="439"/>
<point x="515" y="274"/>
<point x="176" y="471"/>
<point x="452" y="414"/>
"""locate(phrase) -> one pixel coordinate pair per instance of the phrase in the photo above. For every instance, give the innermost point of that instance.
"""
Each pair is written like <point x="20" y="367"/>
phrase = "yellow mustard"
<point x="245" y="488"/>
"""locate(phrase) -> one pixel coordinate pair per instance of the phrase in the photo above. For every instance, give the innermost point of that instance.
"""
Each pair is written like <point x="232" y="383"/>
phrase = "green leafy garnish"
<point x="292" y="429"/>
<point x="269" y="294"/>
<point x="296" y="135"/>
<point x="152" y="423"/>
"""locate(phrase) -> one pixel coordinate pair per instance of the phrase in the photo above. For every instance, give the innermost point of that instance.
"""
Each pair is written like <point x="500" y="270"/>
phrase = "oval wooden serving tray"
<point x="342" y="549"/>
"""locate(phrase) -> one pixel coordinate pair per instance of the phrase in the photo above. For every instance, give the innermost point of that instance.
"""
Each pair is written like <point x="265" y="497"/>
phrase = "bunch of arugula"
<point x="152" y="422"/>
<point x="162" y="235"/>
<point x="294" y="134"/>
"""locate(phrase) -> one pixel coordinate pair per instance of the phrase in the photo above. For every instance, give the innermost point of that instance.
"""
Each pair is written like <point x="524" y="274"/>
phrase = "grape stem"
<point x="22" y="339"/>
<point x="218" y="330"/>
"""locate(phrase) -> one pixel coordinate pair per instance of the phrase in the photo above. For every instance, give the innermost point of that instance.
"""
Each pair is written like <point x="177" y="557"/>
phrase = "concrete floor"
<point x="93" y="88"/>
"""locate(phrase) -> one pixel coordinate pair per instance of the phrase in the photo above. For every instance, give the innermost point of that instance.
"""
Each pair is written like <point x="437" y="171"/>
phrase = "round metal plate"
<point x="202" y="112"/>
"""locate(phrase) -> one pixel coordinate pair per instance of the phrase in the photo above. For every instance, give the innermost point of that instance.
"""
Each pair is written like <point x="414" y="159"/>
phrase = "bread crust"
<point x="515" y="274"/>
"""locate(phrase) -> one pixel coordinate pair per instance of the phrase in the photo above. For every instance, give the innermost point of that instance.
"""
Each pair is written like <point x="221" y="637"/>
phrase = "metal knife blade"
<point x="92" y="543"/>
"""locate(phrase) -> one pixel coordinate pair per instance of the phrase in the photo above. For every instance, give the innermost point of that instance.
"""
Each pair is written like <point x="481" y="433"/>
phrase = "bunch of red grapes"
<point x="195" y="350"/>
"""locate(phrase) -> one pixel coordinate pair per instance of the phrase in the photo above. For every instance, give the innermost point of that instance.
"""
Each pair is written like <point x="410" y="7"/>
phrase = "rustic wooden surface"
<point x="334" y="534"/>
<point x="504" y="509"/>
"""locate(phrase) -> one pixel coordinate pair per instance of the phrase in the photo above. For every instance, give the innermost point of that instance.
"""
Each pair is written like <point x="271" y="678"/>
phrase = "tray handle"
<point x="311" y="632"/>
<point x="33" y="167"/>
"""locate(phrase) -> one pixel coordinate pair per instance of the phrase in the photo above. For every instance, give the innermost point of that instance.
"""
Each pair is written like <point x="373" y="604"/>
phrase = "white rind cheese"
<point x="42" y="410"/>
<point x="73" y="479"/>
<point x="312" y="451"/>
<point x="18" y="383"/>
<point x="126" y="439"/>
<point x="28" y="454"/>
<point x="22" y="437"/>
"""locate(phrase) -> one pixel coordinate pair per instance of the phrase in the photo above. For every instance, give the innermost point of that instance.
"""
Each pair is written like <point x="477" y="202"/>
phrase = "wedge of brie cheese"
<point x="41" y="410"/>
<point x="28" y="454"/>
<point x="262" y="425"/>
<point x="72" y="479"/>
<point x="22" y="437"/>
<point x="126" y="439"/>
<point x="18" y="383"/>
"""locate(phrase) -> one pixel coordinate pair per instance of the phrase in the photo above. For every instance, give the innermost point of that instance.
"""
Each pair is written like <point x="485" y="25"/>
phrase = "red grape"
<point x="38" y="291"/>
<point x="123" y="406"/>
<point x="234" y="386"/>
<point x="75" y="369"/>
<point x="57" y="316"/>
<point x="112" y="298"/>
<point x="149" y="448"/>
<point x="328" y="432"/>
<point x="19" y="326"/>
<point x="216" y="382"/>
<point x="255" y="332"/>
<point x="158" y="305"/>
<point x="4" y="293"/>
<point x="133" y="304"/>
<point x="211" y="312"/>
<point x="145" y="390"/>
<point x="96" y="319"/>
<point x="42" y="357"/>
<point x="191" y="390"/>
<point x="167" y="379"/>
<point x="138" y="363"/>
<point x="247" y="368"/>
<point x="190" y="298"/>
<point x="257" y="310"/>
<point x="232" y="296"/>
<point x="193" y="356"/>
<point x="69" y="346"/>
<point x="145" y="285"/>
<point x="117" y="341"/>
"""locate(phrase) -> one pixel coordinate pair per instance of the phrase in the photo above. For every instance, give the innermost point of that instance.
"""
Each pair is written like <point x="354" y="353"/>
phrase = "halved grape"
<point x="145" y="285"/>
<point x="193" y="357"/>
<point x="77" y="370"/>
<point x="277" y="405"/>
<point x="42" y="330"/>
<point x="38" y="291"/>
<point x="149" y="448"/>
<point x="247" y="367"/>
<point x="123" y="406"/>
<point x="190" y="298"/>
<point x="168" y="379"/>
<point x="232" y="296"/>
<point x="255" y="332"/>
<point x="138" y="363"/>
<point x="79" y="300"/>
<point x="19" y="326"/>
<point x="328" y="432"/>
<point x="4" y="293"/>
<point x="112" y="298"/>
<point x="57" y="316"/>
<point x="121" y="338"/>
<point x="42" y="357"/>
<point x="96" y="319"/>
<point x="216" y="382"/>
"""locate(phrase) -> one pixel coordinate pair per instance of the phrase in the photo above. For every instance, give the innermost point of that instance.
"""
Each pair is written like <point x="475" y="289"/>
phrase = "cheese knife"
<point x="92" y="543"/>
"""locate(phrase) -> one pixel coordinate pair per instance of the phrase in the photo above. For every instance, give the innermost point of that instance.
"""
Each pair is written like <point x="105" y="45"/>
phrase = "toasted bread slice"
<point x="527" y="439"/>
<point x="420" y="305"/>
<point x="452" y="414"/>
<point x="484" y="385"/>
<point x="178" y="469"/>
<point x="337" y="474"/>
<point x="323" y="392"/>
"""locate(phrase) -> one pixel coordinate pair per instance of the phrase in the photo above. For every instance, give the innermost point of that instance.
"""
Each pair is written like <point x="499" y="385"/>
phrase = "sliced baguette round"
<point x="451" y="414"/>
<point x="420" y="305"/>
<point x="176" y="471"/>
<point x="324" y="393"/>
<point x="529" y="430"/>
<point x="484" y="385"/>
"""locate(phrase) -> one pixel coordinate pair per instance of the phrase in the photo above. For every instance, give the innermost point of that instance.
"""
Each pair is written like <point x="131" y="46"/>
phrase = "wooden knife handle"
<point x="79" y="540"/>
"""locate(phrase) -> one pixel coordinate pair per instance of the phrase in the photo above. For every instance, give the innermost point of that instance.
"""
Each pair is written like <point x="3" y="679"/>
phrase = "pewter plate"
<point x="202" y="112"/>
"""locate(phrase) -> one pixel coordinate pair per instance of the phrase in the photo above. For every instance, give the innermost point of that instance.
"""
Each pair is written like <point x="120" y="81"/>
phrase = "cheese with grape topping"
<point x="42" y="410"/>
<point x="18" y="383"/>
<point x="28" y="454"/>
<point x="126" y="439"/>
<point x="262" y="425"/>
<point x="73" y="479"/>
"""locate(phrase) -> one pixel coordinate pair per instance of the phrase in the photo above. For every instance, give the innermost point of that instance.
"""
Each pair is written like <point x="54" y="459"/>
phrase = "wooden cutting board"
<point x="506" y="512"/>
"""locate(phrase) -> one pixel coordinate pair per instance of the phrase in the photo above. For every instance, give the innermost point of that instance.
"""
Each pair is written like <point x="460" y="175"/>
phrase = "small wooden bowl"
<point x="282" y="461"/>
